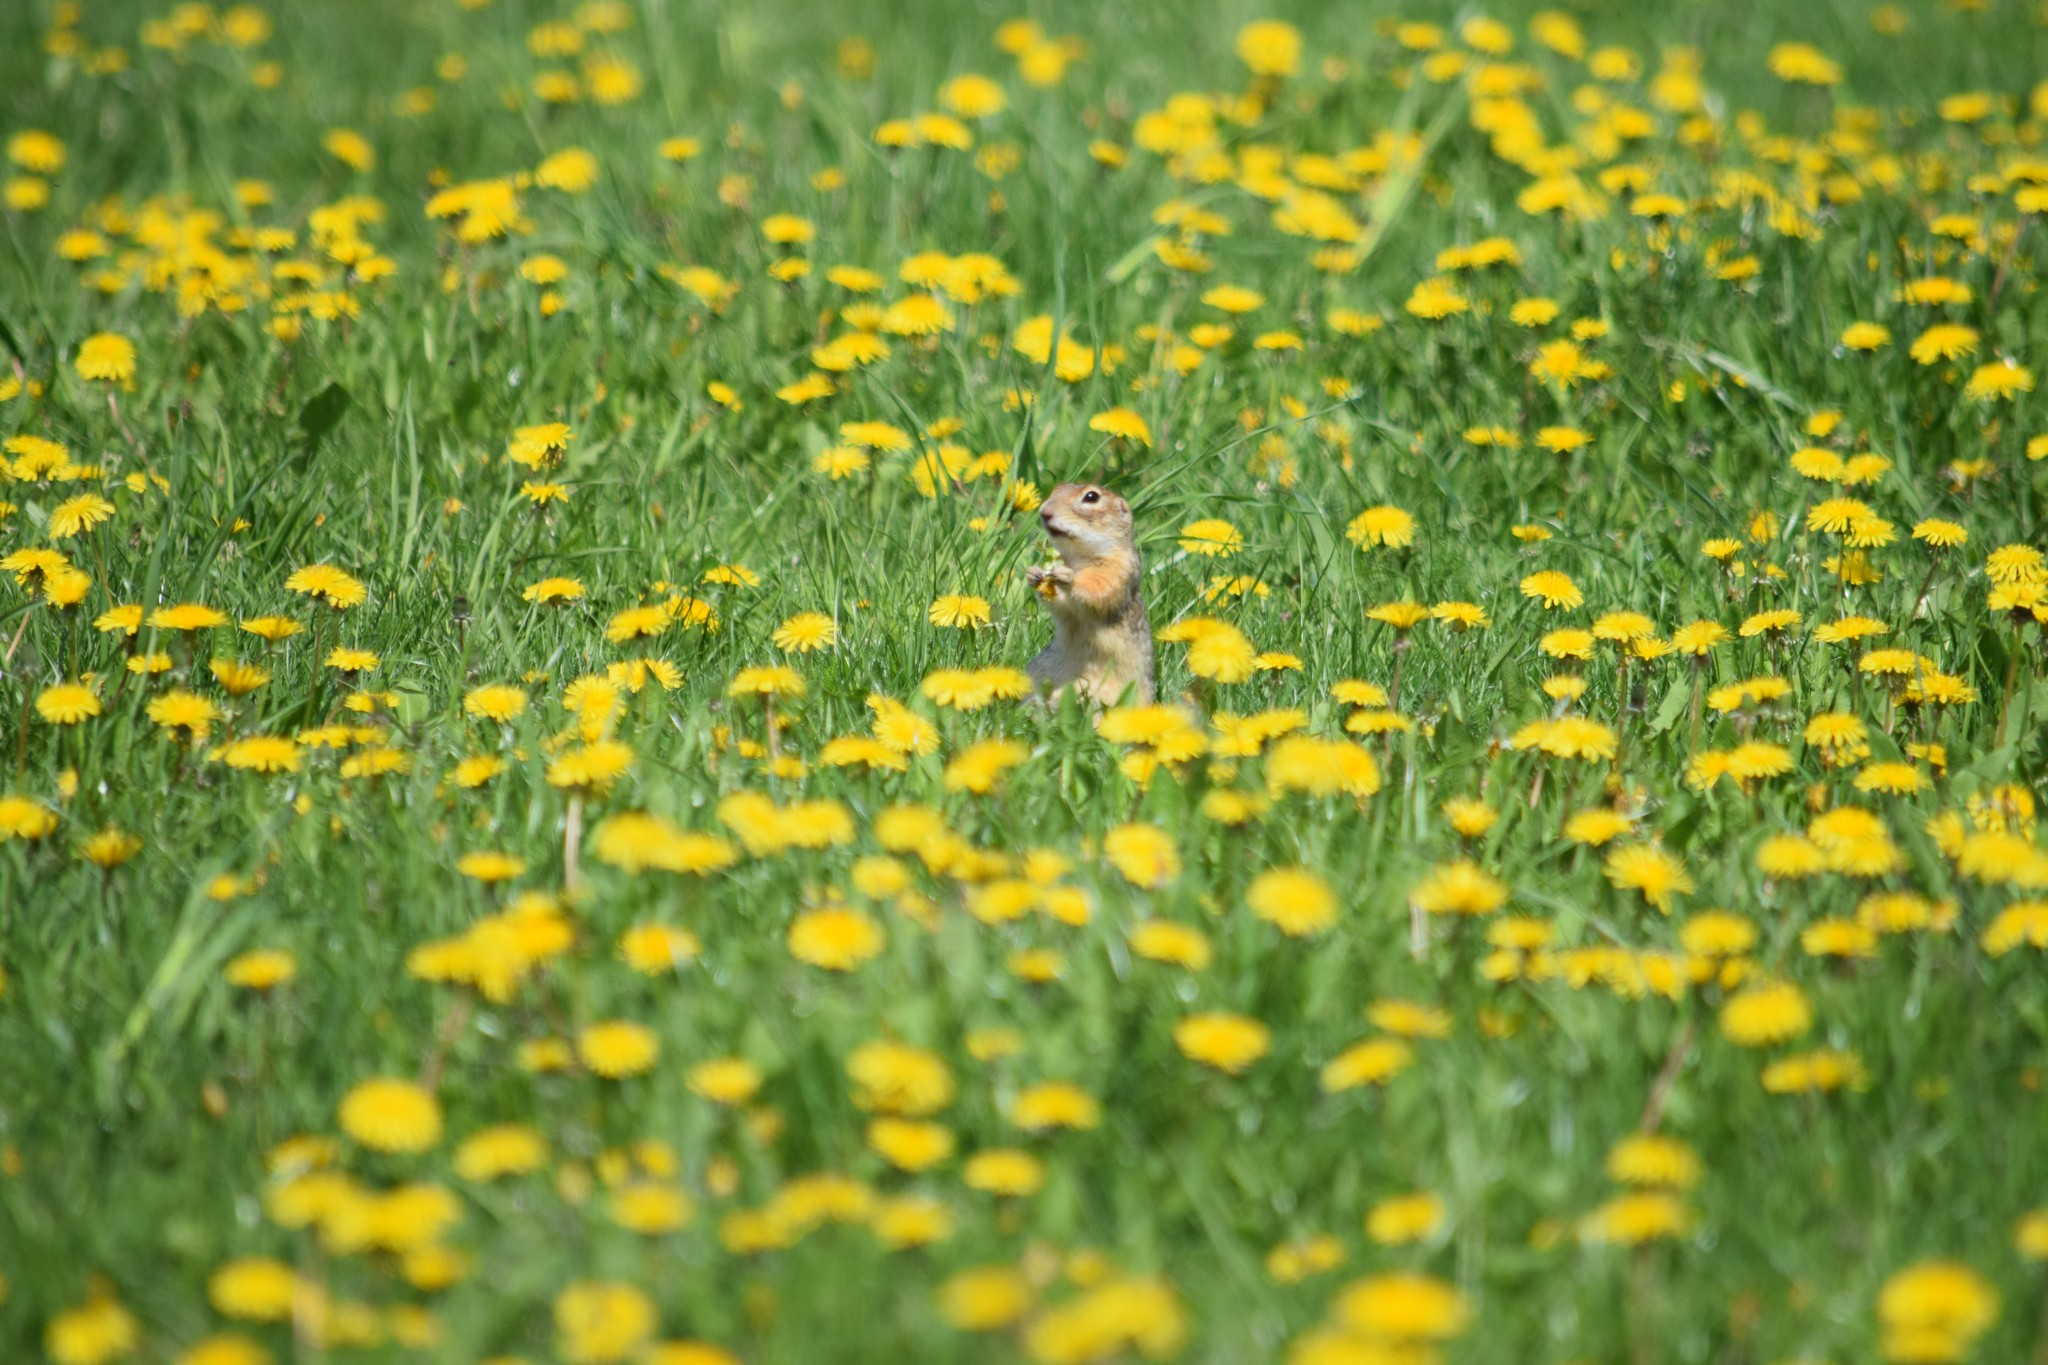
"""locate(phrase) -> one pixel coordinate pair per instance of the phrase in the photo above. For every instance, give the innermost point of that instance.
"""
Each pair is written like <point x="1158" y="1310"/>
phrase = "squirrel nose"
<point x="1045" y="515"/>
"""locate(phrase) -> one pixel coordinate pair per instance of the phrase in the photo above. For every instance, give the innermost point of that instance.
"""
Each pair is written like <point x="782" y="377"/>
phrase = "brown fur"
<point x="1101" y="640"/>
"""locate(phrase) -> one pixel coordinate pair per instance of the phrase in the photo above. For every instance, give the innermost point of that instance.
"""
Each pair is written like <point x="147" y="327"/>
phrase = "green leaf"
<point x="414" y="706"/>
<point x="1127" y="264"/>
<point x="1673" y="705"/>
<point x="1988" y="771"/>
<point x="322" y="412"/>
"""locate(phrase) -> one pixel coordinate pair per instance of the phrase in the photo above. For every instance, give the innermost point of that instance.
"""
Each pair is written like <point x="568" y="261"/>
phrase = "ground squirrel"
<point x="1101" y="641"/>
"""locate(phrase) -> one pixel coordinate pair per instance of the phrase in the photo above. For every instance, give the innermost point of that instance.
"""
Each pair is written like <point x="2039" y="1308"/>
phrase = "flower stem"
<point x="1667" y="1076"/>
<point x="1621" y="707"/>
<point x="15" y="643"/>
<point x="2012" y="673"/>
<point x="451" y="1028"/>
<point x="1698" y="696"/>
<point x="572" y="845"/>
<point x="313" y="685"/>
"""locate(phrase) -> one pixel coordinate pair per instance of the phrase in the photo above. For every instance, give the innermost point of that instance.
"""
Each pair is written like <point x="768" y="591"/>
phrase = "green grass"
<point x="140" y="1090"/>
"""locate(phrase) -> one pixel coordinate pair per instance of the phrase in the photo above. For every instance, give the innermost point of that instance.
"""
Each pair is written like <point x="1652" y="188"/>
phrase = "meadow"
<point x="525" y="836"/>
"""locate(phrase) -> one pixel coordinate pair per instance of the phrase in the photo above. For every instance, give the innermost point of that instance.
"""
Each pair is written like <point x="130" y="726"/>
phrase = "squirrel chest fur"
<point x="1101" y="641"/>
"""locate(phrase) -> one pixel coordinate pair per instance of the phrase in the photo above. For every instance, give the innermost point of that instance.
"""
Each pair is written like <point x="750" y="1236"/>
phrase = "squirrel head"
<point x="1086" y="522"/>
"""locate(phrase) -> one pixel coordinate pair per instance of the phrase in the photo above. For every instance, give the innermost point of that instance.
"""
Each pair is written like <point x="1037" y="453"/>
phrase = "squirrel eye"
<point x="1091" y="496"/>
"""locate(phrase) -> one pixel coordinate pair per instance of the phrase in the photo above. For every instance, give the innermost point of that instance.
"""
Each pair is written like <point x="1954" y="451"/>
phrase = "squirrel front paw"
<point x="1047" y="578"/>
